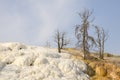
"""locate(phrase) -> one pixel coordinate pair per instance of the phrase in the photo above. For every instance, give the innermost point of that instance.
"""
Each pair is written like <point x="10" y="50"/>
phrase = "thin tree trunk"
<point x="84" y="50"/>
<point x="102" y="51"/>
<point x="59" y="49"/>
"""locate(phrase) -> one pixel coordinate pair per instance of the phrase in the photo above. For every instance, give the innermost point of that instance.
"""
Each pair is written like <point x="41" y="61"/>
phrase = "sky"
<point x="35" y="21"/>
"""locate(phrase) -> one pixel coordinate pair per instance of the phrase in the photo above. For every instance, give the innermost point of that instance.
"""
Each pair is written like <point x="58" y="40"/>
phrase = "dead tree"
<point x="60" y="39"/>
<point x="102" y="36"/>
<point x="64" y="41"/>
<point x="57" y="40"/>
<point x="85" y="41"/>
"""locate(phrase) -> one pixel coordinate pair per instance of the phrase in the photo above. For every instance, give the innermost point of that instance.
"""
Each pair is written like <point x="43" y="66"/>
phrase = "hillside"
<point x="23" y="62"/>
<point x="97" y="69"/>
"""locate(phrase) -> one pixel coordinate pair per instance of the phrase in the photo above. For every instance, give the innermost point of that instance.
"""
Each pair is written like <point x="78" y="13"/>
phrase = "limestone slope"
<point x="22" y="62"/>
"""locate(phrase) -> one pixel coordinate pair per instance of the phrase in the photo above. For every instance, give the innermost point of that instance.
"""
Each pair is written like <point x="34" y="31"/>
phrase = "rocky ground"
<point x="22" y="62"/>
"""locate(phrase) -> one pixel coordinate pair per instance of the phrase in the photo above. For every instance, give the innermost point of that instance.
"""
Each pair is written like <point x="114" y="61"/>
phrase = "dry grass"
<point x="109" y="68"/>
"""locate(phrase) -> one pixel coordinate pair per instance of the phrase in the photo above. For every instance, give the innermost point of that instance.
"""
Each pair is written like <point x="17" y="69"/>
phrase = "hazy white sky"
<point x="34" y="21"/>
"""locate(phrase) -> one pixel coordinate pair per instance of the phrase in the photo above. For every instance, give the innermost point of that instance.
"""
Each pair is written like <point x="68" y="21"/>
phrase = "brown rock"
<point x="114" y="76"/>
<point x="100" y="78"/>
<point x="90" y="71"/>
<point x="101" y="71"/>
<point x="92" y="65"/>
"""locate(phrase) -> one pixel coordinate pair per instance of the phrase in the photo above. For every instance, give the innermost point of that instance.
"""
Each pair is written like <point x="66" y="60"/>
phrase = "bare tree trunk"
<point x="64" y="41"/>
<point x="82" y="34"/>
<point x="84" y="43"/>
<point x="102" y="57"/>
<point x="101" y="38"/>
<point x="59" y="49"/>
<point x="60" y="40"/>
